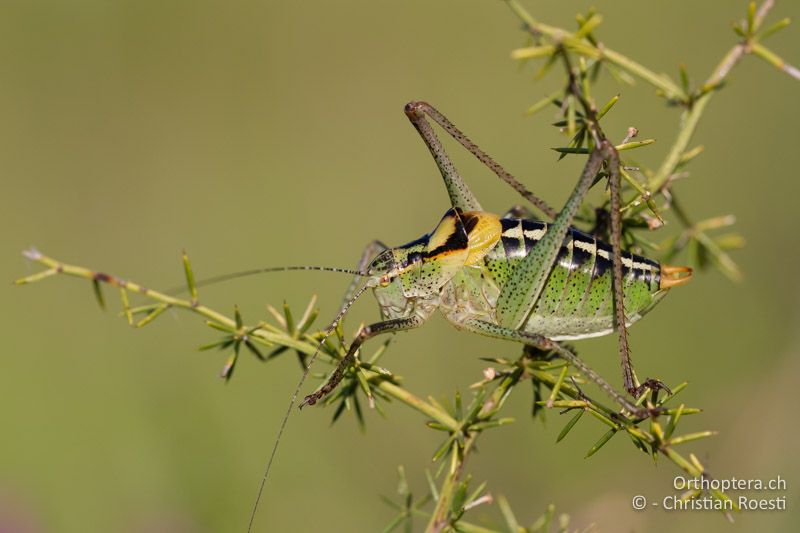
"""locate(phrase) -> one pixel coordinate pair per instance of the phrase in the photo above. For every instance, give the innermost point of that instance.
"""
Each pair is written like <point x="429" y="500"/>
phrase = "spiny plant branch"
<point x="576" y="42"/>
<point x="555" y="384"/>
<point x="552" y="43"/>
<point x="463" y="426"/>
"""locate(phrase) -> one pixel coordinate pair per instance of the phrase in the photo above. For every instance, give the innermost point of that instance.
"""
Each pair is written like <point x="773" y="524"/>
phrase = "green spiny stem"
<point x="696" y="105"/>
<point x="673" y="157"/>
<point x="695" y="111"/>
<point x="626" y="424"/>
<point x="420" y="405"/>
<point x="272" y="336"/>
<point x="723" y="260"/>
<point x="226" y="323"/>
<point x="440" y="518"/>
<point x="92" y="275"/>
<point x="492" y="405"/>
<point x="464" y="433"/>
<point x="486" y="409"/>
<point x="660" y="81"/>
<point x="466" y="527"/>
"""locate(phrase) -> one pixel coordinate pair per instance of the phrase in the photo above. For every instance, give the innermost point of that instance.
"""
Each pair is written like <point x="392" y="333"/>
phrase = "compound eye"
<point x="385" y="281"/>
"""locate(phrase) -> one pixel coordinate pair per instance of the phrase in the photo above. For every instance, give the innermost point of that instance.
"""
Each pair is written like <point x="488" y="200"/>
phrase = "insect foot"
<point x="654" y="385"/>
<point x="311" y="399"/>
<point x="336" y="377"/>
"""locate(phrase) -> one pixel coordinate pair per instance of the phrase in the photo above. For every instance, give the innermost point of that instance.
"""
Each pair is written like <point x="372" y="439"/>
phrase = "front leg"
<point x="367" y="332"/>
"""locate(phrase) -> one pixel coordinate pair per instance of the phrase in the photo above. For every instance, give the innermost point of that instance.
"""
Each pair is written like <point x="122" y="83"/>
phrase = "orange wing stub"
<point x="674" y="276"/>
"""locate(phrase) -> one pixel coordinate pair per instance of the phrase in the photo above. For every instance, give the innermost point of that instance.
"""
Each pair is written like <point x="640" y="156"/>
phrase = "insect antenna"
<point x="343" y="311"/>
<point x="253" y="271"/>
<point x="327" y="333"/>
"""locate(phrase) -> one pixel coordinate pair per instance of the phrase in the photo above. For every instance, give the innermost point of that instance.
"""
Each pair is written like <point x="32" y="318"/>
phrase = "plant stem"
<point x="417" y="403"/>
<point x="660" y="81"/>
<point x="680" y="144"/>
<point x="225" y="323"/>
<point x="692" y="117"/>
<point x="621" y="423"/>
<point x="440" y="518"/>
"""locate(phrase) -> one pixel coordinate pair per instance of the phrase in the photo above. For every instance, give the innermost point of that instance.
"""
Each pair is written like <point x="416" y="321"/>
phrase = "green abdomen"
<point x="577" y="299"/>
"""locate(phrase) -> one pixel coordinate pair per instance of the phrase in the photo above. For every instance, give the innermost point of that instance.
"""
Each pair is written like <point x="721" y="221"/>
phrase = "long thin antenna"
<point x="254" y="271"/>
<point x="296" y="392"/>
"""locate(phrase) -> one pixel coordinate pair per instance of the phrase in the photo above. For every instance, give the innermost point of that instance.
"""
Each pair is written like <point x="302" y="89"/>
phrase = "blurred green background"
<point x="269" y="133"/>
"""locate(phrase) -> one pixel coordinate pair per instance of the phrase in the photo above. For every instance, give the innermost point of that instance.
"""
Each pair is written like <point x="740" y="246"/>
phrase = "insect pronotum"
<point x="508" y="277"/>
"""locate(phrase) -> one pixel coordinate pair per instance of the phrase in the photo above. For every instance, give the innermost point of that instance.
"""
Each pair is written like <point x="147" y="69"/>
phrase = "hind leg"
<point x="538" y="341"/>
<point x="460" y="194"/>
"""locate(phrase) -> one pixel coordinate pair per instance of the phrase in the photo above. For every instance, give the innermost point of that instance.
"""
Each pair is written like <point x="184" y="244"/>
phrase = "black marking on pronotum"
<point x="422" y="241"/>
<point x="457" y="240"/>
<point x="470" y="221"/>
<point x="413" y="257"/>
